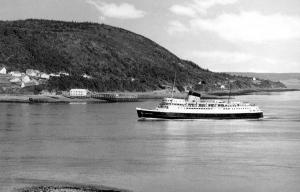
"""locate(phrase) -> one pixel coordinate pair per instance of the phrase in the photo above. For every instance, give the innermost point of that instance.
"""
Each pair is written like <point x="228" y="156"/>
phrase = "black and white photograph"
<point x="149" y="96"/>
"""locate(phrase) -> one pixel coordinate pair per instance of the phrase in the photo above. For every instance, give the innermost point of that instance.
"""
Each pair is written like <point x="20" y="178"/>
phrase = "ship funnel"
<point x="193" y="96"/>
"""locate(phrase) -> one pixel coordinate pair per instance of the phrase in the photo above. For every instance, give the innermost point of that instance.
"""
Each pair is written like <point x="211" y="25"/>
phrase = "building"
<point x="2" y="70"/>
<point x="54" y="75"/>
<point x="15" y="73"/>
<point x="79" y="92"/>
<point x="15" y="80"/>
<point x="222" y="87"/>
<point x="44" y="76"/>
<point x="25" y="79"/>
<point x="87" y="76"/>
<point x="30" y="83"/>
<point x="32" y="73"/>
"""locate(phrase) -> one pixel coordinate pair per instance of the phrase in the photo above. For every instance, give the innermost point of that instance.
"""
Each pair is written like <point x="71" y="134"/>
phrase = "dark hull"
<point x="168" y="115"/>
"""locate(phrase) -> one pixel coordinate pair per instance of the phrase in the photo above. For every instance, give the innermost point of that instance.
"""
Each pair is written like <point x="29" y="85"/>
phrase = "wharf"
<point x="116" y="97"/>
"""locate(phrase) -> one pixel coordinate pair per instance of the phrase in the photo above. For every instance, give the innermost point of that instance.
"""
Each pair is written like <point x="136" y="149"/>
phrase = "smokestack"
<point x="193" y="96"/>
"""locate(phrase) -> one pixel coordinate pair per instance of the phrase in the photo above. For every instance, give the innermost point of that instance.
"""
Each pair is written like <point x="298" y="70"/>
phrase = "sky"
<point x="220" y="35"/>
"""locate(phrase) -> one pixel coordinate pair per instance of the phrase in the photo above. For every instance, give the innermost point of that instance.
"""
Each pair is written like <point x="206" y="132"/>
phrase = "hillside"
<point x="114" y="58"/>
<point x="291" y="80"/>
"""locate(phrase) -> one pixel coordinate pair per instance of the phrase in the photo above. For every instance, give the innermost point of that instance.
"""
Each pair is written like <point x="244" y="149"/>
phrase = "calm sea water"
<point x="105" y="144"/>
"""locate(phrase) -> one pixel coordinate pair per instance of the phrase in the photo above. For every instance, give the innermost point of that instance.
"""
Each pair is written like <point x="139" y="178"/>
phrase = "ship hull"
<point x="143" y="113"/>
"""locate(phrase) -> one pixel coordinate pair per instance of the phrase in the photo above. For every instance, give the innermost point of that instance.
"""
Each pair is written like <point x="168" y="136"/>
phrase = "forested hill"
<point x="114" y="58"/>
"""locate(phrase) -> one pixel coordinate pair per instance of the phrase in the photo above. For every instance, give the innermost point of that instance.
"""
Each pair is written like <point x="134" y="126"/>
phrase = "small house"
<point x="15" y="80"/>
<point x="32" y="73"/>
<point x="2" y="70"/>
<point x="254" y="78"/>
<point x="222" y="87"/>
<point x="25" y="79"/>
<point x="29" y="83"/>
<point x="44" y="76"/>
<point x="15" y="73"/>
<point x="78" y="92"/>
<point x="87" y="76"/>
<point x="54" y="75"/>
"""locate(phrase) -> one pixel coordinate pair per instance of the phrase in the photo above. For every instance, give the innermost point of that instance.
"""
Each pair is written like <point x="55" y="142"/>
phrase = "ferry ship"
<point x="195" y="108"/>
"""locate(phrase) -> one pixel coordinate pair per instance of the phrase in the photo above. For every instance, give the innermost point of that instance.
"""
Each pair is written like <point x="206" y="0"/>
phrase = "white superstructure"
<point x="205" y="106"/>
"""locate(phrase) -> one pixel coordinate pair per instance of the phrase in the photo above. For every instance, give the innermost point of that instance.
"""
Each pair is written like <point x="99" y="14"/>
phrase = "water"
<point x="105" y="144"/>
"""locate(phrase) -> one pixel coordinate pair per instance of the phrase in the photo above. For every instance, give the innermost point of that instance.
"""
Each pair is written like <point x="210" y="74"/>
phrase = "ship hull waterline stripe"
<point x="169" y="115"/>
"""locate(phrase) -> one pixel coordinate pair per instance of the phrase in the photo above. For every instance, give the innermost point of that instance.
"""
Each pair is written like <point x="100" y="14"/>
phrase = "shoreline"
<point x="142" y="96"/>
<point x="32" y="185"/>
<point x="250" y="91"/>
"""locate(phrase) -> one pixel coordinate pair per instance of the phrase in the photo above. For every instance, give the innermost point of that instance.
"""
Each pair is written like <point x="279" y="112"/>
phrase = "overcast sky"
<point x="221" y="35"/>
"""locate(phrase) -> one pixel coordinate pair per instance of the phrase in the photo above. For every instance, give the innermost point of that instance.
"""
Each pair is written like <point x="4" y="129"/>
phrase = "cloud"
<point x="198" y="7"/>
<point x="245" y="27"/>
<point x="250" y="26"/>
<point x="183" y="10"/>
<point x="176" y="26"/>
<point x="121" y="11"/>
<point x="238" y="61"/>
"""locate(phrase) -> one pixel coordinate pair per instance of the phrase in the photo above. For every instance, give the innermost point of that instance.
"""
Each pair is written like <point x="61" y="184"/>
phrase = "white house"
<point x="25" y="79"/>
<point x="54" y="75"/>
<point x="15" y="73"/>
<point x="87" y="76"/>
<point x="44" y="76"/>
<point x="254" y="79"/>
<point x="222" y="87"/>
<point x="3" y="70"/>
<point x="78" y="92"/>
<point x="32" y="73"/>
<point x="15" y="80"/>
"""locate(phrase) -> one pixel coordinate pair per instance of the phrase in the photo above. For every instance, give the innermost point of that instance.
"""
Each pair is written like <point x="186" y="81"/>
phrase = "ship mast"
<point x="173" y="85"/>
<point x="229" y="93"/>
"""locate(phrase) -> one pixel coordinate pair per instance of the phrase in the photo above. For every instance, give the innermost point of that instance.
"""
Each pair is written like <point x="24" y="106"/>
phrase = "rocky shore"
<point x="59" y="186"/>
<point x="251" y="91"/>
<point x="69" y="188"/>
<point x="45" y="99"/>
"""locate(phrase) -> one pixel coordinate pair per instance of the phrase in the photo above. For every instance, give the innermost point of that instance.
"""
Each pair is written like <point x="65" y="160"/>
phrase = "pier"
<point x="115" y="97"/>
